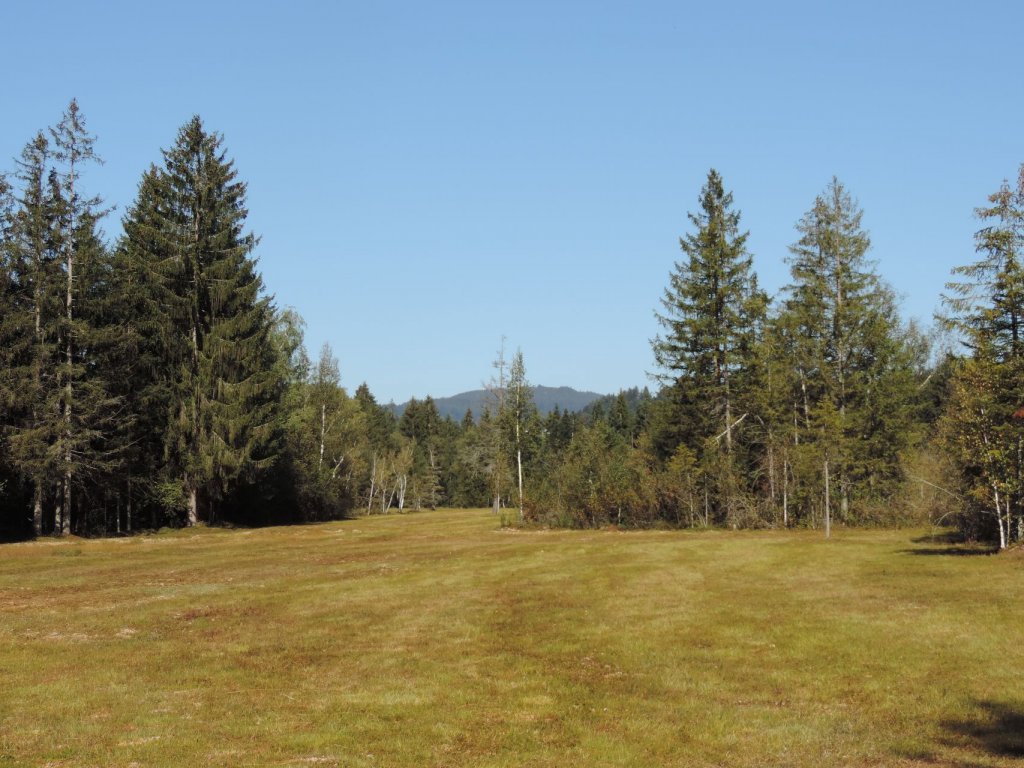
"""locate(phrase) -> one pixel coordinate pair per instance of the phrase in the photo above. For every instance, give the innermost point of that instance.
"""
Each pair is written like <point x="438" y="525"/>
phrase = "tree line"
<point x="821" y="406"/>
<point x="151" y="381"/>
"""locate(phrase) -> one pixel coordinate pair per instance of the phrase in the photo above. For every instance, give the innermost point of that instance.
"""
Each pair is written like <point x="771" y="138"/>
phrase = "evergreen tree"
<point x="12" y="522"/>
<point x="849" y="373"/>
<point x="712" y="313"/>
<point x="984" y="425"/>
<point x="188" y="230"/>
<point x="521" y="415"/>
<point x="31" y="333"/>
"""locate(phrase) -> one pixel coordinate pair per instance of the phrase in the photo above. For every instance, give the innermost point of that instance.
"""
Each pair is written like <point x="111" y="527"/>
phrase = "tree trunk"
<point x="193" y="507"/>
<point x="519" y="466"/>
<point x="828" y="507"/>
<point x="69" y="352"/>
<point x="785" y="493"/>
<point x="65" y="520"/>
<point x="999" y="518"/>
<point x="373" y="481"/>
<point x="37" y="509"/>
<point x="323" y="436"/>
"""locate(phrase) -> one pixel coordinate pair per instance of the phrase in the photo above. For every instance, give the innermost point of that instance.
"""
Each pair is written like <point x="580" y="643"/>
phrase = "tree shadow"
<point x="966" y="550"/>
<point x="945" y="537"/>
<point x="996" y="729"/>
<point x="948" y="544"/>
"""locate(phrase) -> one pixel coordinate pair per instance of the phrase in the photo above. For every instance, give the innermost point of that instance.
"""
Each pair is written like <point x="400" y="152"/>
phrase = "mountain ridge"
<point x="475" y="400"/>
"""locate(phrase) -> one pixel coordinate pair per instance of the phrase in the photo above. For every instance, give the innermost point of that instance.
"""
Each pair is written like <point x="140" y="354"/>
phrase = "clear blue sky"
<point x="428" y="176"/>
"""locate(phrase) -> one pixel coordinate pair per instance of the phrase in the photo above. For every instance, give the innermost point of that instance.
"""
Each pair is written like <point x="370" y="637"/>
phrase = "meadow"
<point x="443" y="639"/>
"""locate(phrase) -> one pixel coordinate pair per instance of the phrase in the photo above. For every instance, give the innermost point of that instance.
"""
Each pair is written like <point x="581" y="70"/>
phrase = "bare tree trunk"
<point x="193" y="507"/>
<point x="828" y="507"/>
<point x="323" y="435"/>
<point x="401" y="484"/>
<point x="785" y="493"/>
<point x="999" y="518"/>
<point x="807" y="405"/>
<point x="37" y="509"/>
<point x="373" y="481"/>
<point x="58" y="512"/>
<point x="519" y="466"/>
<point x="65" y="520"/>
<point x="69" y="354"/>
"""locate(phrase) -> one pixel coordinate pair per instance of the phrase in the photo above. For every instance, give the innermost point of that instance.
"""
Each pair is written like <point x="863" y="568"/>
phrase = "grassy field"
<point x="440" y="639"/>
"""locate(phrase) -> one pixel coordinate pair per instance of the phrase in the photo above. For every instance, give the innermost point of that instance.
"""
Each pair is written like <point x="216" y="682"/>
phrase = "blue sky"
<point x="427" y="177"/>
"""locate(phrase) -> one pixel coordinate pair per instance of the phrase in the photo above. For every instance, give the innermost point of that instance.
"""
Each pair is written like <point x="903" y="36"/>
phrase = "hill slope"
<point x="546" y="398"/>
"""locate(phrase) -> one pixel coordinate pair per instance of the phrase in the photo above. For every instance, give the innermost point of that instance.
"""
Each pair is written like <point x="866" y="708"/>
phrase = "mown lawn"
<point x="440" y="639"/>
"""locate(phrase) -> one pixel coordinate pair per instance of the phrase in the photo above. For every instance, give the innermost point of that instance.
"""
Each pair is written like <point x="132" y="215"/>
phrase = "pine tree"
<point x="11" y="517"/>
<point x="521" y="413"/>
<point x="712" y="313"/>
<point x="76" y="216"/>
<point x="31" y="332"/>
<point x="145" y="262"/>
<point x="983" y="425"/>
<point x="187" y="233"/>
<point x="849" y="381"/>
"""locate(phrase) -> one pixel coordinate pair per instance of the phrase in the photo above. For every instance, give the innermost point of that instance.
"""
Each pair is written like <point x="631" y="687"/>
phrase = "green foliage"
<point x="712" y="321"/>
<point x="847" y="376"/>
<point x="216" y="365"/>
<point x="599" y="481"/>
<point x="983" y="426"/>
<point x="325" y="441"/>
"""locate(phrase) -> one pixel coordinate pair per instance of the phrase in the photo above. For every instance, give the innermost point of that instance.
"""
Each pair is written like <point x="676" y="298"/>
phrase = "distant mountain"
<point x="545" y="398"/>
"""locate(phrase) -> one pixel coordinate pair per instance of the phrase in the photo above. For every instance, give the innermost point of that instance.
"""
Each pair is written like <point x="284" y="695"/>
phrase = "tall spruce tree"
<point x="187" y="233"/>
<point x="76" y="215"/>
<point x="31" y="333"/>
<point x="712" y="311"/>
<point x="11" y="513"/>
<point x="849" y="375"/>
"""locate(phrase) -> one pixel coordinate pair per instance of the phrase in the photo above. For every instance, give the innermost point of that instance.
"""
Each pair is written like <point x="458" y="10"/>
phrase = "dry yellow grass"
<point x="440" y="639"/>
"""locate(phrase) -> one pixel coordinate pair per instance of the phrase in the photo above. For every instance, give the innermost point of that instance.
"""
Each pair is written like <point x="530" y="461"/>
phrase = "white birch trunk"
<point x="828" y="507"/>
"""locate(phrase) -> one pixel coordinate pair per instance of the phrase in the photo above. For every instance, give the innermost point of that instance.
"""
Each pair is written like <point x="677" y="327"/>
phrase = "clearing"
<point x="440" y="639"/>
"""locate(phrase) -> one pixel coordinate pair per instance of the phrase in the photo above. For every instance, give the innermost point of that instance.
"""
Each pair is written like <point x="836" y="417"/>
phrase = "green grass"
<point x="440" y="639"/>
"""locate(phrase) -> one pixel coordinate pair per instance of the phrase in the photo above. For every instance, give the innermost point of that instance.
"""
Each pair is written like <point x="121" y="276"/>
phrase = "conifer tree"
<point x="188" y="229"/>
<point x="76" y="215"/>
<point x="983" y="425"/>
<point x="31" y="333"/>
<point x="11" y="518"/>
<point x="712" y="313"/>
<point x="849" y="374"/>
<point x="521" y="412"/>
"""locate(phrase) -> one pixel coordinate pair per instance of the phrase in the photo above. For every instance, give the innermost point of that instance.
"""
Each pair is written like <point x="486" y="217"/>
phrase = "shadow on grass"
<point x="945" y="537"/>
<point x="948" y="544"/>
<point x="997" y="729"/>
<point x="965" y="550"/>
<point x="992" y="735"/>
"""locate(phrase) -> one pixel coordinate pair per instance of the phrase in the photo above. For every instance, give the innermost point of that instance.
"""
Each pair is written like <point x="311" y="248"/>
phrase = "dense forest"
<point x="151" y="381"/>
